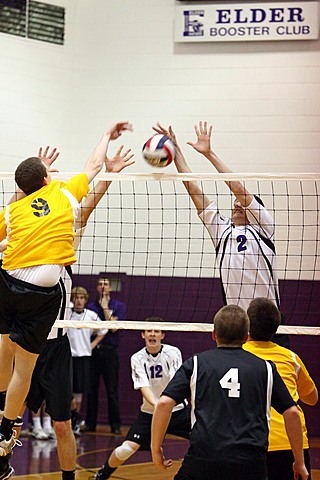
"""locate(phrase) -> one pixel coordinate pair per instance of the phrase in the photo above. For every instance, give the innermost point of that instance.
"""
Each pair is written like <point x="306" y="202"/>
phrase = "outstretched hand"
<point x="48" y="158"/>
<point x="168" y="132"/>
<point x="116" y="130"/>
<point x="203" y="133"/>
<point x="120" y="161"/>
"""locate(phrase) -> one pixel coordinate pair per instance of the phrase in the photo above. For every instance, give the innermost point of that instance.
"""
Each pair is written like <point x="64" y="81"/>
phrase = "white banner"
<point x="228" y="22"/>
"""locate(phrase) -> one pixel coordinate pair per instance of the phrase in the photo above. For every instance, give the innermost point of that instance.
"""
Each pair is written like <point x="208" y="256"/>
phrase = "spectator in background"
<point x="264" y="320"/>
<point x="81" y="350"/>
<point x="105" y="359"/>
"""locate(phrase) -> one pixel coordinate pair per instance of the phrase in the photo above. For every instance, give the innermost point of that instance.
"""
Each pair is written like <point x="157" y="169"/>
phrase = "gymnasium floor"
<point x="37" y="459"/>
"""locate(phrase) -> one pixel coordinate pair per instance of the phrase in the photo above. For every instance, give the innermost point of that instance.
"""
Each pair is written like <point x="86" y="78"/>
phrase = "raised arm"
<point x="197" y="195"/>
<point x="203" y="146"/>
<point x="98" y="156"/>
<point x="121" y="160"/>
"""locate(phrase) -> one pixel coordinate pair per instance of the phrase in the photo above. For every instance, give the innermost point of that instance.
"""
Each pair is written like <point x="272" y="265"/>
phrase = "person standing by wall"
<point x="105" y="359"/>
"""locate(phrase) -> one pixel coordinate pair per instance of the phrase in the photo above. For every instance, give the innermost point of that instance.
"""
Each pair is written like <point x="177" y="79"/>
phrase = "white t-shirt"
<point x="80" y="338"/>
<point x="155" y="372"/>
<point x="245" y="255"/>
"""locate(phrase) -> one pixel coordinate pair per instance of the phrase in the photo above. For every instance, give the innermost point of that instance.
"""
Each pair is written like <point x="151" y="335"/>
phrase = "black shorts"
<point x="81" y="374"/>
<point x="194" y="468"/>
<point x="27" y="311"/>
<point x="279" y="464"/>
<point x="140" y="432"/>
<point x="52" y="380"/>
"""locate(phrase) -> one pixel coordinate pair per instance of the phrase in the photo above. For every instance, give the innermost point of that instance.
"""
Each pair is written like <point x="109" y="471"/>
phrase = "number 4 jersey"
<point x="155" y="372"/>
<point x="40" y="227"/>
<point x="231" y="393"/>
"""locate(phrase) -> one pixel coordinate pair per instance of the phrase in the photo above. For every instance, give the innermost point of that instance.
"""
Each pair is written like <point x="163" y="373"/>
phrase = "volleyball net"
<point x="146" y="237"/>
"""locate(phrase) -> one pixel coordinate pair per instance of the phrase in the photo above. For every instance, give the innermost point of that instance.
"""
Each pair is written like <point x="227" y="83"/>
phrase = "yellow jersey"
<point x="40" y="227"/>
<point x="298" y="381"/>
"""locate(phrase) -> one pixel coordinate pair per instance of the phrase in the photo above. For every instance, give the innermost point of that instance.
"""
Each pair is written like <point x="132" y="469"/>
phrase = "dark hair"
<point x="29" y="175"/>
<point x="259" y="200"/>
<point x="264" y="319"/>
<point x="103" y="278"/>
<point x="231" y="325"/>
<point x="154" y="319"/>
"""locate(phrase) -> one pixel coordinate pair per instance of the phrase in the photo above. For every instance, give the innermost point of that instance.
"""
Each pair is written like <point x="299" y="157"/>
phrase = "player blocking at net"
<point x="244" y="243"/>
<point x="39" y="232"/>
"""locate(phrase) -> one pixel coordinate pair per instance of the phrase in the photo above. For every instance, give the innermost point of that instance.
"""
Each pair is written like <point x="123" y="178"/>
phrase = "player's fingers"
<point x="118" y="152"/>
<point x="45" y="153"/>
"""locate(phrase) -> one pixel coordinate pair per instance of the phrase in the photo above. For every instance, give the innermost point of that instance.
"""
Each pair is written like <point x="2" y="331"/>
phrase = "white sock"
<point x="36" y="422"/>
<point x="46" y="423"/>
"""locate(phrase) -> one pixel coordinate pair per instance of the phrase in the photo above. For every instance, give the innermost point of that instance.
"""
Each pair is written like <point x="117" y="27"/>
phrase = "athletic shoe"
<point x="99" y="475"/>
<point x="39" y="434"/>
<point x="6" y="446"/>
<point x="104" y="472"/>
<point x="76" y="430"/>
<point x="49" y="432"/>
<point x="18" y="422"/>
<point x="6" y="472"/>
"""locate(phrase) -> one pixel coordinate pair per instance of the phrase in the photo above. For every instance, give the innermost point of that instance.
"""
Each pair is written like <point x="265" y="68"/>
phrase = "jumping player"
<point x="55" y="360"/>
<point x="152" y="368"/>
<point x="244" y="243"/>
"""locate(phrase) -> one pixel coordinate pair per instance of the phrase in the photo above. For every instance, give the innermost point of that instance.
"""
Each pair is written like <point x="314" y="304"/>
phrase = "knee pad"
<point x="124" y="451"/>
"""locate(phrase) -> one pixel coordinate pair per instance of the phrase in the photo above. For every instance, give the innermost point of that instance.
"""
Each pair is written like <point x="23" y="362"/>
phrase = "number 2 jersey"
<point x="40" y="227"/>
<point x="155" y="372"/>
<point x="245" y="254"/>
<point x="231" y="394"/>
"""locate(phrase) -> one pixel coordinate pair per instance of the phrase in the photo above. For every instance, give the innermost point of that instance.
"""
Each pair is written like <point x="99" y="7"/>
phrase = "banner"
<point x="247" y="22"/>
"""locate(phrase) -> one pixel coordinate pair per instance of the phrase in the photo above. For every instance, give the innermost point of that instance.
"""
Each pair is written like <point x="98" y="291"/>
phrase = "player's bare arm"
<point x="294" y="431"/>
<point x="203" y="146"/>
<point x="200" y="200"/>
<point x="147" y="393"/>
<point x="98" y="156"/>
<point x="160" y="422"/>
<point x="121" y="160"/>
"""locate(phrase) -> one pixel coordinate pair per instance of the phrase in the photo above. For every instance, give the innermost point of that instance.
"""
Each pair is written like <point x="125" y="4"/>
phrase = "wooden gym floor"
<point x="37" y="459"/>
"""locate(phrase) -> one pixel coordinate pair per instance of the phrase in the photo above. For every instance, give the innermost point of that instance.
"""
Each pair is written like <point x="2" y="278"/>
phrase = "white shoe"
<point x="6" y="446"/>
<point x="39" y="434"/>
<point x="49" y="432"/>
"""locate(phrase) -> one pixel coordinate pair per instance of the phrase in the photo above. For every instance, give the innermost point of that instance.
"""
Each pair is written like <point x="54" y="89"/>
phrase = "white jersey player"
<point x="152" y="368"/>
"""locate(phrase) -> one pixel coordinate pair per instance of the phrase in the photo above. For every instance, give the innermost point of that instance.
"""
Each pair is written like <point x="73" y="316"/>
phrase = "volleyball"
<point x="159" y="151"/>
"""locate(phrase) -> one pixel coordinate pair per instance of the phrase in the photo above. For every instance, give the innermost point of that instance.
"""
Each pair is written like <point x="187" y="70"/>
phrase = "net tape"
<point x="171" y="326"/>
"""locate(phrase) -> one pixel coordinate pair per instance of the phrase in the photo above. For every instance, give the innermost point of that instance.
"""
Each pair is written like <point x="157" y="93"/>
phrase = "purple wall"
<point x="181" y="299"/>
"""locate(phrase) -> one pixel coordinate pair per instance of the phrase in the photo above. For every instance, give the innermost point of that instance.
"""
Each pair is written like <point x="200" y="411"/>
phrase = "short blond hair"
<point x="79" y="291"/>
